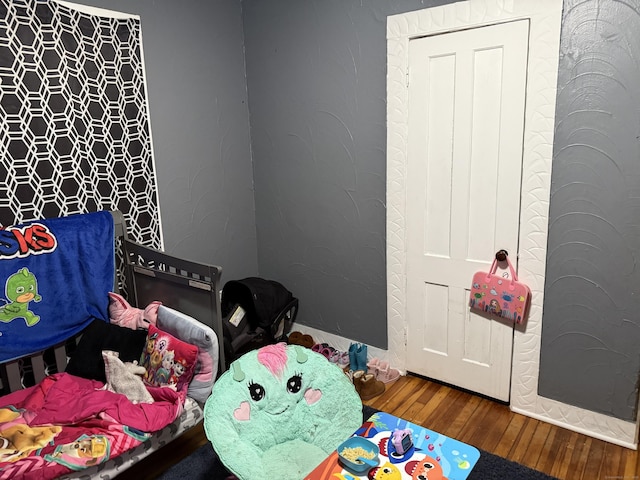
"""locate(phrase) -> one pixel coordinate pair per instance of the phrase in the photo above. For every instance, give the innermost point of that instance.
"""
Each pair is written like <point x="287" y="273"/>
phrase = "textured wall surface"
<point x="200" y="127"/>
<point x="591" y="324"/>
<point x="316" y="74"/>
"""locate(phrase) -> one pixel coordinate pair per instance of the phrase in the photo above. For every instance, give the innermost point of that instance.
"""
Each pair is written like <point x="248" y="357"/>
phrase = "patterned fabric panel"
<point x="190" y="417"/>
<point x="75" y="134"/>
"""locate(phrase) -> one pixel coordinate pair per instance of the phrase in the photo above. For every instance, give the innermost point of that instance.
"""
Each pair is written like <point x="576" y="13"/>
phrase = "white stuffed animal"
<point x="125" y="378"/>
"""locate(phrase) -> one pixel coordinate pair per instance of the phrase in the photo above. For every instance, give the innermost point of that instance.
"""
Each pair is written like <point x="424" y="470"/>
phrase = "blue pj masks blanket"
<point x="279" y="411"/>
<point x="55" y="276"/>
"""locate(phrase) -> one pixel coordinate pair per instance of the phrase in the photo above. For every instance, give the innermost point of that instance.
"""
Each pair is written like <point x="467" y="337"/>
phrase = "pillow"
<point x="87" y="362"/>
<point x="123" y="314"/>
<point x="168" y="360"/>
<point x="192" y="331"/>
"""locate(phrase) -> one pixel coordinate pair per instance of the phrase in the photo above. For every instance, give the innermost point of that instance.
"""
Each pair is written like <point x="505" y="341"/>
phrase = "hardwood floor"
<point x="484" y="423"/>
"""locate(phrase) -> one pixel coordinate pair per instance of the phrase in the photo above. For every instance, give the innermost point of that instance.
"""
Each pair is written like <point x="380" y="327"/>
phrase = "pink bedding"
<point x="68" y="423"/>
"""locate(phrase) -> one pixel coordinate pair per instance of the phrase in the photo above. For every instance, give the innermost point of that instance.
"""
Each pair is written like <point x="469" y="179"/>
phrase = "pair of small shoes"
<point x="367" y="385"/>
<point x="298" y="338"/>
<point x="339" y="358"/>
<point x="358" y="356"/>
<point x="387" y="374"/>
<point x="324" y="349"/>
<point x="382" y="371"/>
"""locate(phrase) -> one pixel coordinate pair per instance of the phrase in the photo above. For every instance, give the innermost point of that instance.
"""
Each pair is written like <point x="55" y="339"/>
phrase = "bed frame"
<point x="142" y="275"/>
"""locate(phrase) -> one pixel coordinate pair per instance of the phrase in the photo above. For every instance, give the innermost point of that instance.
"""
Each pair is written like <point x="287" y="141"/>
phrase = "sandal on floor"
<point x="324" y="349"/>
<point x="337" y="357"/>
<point x="382" y="369"/>
<point x="386" y="374"/>
<point x="328" y="352"/>
<point x="343" y="359"/>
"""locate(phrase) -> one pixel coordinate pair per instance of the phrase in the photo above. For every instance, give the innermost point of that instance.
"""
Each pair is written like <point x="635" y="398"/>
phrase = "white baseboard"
<point x="342" y="344"/>
<point x="626" y="430"/>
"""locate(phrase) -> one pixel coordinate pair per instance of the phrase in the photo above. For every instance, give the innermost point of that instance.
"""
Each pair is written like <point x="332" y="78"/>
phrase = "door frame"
<point x="544" y="17"/>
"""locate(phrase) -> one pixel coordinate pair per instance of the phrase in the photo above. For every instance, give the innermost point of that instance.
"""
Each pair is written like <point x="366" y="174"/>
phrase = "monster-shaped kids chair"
<point x="279" y="411"/>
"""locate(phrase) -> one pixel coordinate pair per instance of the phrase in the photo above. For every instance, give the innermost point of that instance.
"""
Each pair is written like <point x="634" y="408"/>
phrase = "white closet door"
<point x="466" y="120"/>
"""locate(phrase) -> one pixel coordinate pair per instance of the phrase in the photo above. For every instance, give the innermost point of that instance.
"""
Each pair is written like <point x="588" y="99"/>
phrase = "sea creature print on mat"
<point x="21" y="288"/>
<point x="385" y="472"/>
<point x="426" y="469"/>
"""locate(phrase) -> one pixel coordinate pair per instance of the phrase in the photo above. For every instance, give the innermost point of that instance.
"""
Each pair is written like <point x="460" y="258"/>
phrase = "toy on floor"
<point x="402" y="440"/>
<point x="279" y="411"/>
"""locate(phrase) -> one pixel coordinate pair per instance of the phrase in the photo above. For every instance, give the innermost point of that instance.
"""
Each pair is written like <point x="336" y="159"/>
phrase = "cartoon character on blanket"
<point x="70" y="423"/>
<point x="18" y="440"/>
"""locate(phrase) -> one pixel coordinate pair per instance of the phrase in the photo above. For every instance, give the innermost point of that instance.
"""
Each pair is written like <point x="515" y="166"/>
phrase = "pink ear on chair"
<point x="123" y="314"/>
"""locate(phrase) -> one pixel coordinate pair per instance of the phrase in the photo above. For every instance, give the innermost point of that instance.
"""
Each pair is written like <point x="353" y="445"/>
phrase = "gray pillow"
<point x="190" y="330"/>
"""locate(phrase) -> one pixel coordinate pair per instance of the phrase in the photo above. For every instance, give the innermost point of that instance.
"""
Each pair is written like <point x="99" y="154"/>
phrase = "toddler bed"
<point x="91" y="384"/>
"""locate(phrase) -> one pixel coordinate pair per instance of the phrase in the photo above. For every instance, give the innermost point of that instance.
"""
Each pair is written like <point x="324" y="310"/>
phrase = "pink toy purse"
<point x="504" y="297"/>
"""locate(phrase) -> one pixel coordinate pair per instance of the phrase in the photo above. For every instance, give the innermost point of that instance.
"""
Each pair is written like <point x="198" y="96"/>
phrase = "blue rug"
<point x="204" y="464"/>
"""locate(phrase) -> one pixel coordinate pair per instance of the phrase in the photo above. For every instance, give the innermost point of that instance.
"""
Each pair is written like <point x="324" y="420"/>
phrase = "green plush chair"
<point x="279" y="411"/>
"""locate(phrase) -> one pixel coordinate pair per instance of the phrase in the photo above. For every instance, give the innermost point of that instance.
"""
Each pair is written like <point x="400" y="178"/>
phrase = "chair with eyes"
<point x="279" y="411"/>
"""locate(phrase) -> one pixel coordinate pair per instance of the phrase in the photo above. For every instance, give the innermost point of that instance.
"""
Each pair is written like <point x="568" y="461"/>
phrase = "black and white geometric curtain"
<point x="74" y="125"/>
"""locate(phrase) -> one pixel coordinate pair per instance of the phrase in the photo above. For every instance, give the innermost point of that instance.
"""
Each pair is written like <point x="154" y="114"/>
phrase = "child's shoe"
<point x="361" y="357"/>
<point x="372" y="366"/>
<point x="386" y="374"/>
<point x="366" y="385"/>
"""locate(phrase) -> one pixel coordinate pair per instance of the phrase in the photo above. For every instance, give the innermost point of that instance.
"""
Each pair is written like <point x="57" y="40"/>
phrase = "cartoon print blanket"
<point x="68" y="423"/>
<point x="55" y="277"/>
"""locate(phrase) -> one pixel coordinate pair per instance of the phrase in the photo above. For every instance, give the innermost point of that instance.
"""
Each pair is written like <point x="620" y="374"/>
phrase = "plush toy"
<point x="123" y="314"/>
<point x="125" y="378"/>
<point x="279" y="411"/>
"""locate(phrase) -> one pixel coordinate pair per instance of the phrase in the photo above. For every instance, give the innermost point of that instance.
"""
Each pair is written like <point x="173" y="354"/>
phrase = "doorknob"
<point x="501" y="255"/>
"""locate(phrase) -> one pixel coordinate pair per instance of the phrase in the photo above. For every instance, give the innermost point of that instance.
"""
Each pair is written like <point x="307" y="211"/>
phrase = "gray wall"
<point x="590" y="354"/>
<point x="197" y="94"/>
<point x="316" y="73"/>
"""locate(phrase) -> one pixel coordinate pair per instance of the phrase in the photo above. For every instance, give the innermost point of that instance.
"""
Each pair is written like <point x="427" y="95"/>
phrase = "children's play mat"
<point x="432" y="455"/>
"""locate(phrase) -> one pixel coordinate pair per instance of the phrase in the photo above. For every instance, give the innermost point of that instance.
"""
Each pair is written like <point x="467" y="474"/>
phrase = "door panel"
<point x="466" y="118"/>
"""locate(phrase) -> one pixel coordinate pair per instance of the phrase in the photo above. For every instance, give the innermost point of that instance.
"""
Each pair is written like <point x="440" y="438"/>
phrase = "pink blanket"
<point x="67" y="423"/>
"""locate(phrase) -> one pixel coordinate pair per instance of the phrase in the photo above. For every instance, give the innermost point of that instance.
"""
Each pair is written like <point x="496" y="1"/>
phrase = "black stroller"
<point x="255" y="312"/>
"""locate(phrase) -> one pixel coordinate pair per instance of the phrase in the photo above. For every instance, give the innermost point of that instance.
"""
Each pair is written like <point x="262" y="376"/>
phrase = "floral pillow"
<point x="168" y="360"/>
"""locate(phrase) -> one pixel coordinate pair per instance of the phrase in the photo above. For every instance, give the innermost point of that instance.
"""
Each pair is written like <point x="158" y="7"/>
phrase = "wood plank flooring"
<point x="484" y="423"/>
